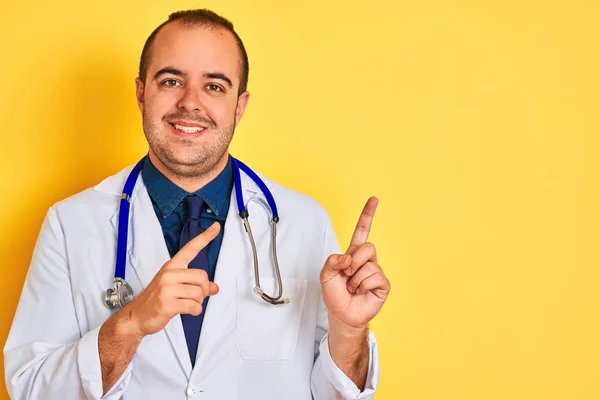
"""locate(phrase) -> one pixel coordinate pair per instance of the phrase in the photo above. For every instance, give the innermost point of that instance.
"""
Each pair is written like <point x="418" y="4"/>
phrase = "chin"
<point x="190" y="161"/>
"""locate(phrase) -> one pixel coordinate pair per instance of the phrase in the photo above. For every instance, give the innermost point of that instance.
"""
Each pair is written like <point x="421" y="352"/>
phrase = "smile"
<point x="188" y="129"/>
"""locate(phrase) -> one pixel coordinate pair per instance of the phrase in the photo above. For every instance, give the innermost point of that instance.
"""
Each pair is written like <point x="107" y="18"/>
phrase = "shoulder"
<point x="102" y="198"/>
<point x="296" y="205"/>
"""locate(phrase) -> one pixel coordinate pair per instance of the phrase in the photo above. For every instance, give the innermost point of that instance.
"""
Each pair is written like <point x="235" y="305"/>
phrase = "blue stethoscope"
<point x="121" y="293"/>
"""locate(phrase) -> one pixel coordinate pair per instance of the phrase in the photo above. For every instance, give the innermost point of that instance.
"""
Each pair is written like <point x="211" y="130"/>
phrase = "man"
<point x="195" y="327"/>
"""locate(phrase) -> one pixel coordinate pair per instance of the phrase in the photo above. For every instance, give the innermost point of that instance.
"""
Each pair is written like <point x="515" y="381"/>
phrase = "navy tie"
<point x="191" y="229"/>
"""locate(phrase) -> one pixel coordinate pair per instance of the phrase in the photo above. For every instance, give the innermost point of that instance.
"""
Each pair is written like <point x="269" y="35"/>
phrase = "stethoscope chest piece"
<point x="120" y="295"/>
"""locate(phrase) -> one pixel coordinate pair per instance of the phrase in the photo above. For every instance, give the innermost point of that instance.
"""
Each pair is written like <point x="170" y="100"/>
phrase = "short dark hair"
<point x="190" y="18"/>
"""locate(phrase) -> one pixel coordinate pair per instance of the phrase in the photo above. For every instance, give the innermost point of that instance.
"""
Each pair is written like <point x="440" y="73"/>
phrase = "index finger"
<point x="188" y="252"/>
<point x="363" y="227"/>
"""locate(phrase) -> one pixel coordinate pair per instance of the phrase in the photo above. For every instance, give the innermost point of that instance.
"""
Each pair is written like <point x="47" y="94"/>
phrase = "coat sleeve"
<point x="46" y="356"/>
<point x="327" y="380"/>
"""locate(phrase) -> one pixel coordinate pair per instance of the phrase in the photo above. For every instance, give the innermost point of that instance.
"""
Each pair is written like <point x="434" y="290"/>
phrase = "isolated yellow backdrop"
<point x="475" y="123"/>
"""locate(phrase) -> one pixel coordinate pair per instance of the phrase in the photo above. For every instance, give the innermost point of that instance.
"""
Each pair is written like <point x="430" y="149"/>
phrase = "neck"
<point x="189" y="184"/>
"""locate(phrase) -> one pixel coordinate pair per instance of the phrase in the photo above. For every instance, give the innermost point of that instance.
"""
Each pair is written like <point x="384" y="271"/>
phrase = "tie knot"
<point x="194" y="206"/>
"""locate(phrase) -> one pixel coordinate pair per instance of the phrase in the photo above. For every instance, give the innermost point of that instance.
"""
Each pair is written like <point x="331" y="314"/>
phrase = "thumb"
<point x="334" y="264"/>
<point x="213" y="288"/>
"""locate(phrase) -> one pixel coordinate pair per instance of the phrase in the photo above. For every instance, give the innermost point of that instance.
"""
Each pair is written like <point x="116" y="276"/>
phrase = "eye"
<point x="170" y="82"/>
<point x="214" y="87"/>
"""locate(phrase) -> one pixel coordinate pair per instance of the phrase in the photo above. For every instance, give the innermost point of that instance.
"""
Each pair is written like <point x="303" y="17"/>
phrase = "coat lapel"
<point x="147" y="252"/>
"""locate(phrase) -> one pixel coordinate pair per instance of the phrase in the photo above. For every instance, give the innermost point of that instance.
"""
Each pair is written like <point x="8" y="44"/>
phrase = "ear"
<point x="241" y="106"/>
<point x="139" y="93"/>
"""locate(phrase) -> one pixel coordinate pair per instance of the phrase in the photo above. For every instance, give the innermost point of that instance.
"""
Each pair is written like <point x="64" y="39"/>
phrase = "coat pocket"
<point x="265" y="331"/>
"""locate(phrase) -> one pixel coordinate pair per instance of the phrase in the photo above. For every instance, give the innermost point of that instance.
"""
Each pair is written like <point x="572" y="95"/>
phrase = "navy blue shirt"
<point x="168" y="200"/>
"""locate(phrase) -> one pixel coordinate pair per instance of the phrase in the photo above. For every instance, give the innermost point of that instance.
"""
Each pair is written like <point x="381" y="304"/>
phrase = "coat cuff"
<point x="88" y="360"/>
<point x="344" y="385"/>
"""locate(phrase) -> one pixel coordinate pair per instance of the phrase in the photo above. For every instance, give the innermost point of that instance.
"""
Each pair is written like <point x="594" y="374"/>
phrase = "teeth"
<point x="188" y="129"/>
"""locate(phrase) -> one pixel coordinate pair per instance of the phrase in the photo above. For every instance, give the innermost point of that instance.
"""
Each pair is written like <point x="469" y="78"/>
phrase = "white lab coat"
<point x="248" y="349"/>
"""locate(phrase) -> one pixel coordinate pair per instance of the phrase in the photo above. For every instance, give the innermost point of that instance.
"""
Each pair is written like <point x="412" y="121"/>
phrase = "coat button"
<point x="193" y="391"/>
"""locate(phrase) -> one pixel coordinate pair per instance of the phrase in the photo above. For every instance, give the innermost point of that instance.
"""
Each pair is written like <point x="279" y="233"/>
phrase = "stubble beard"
<point x="188" y="158"/>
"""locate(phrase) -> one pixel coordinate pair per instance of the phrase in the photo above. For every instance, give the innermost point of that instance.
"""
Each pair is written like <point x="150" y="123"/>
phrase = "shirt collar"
<point x="167" y="195"/>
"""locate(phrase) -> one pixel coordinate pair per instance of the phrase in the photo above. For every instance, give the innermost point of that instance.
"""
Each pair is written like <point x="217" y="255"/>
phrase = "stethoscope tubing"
<point x="113" y="298"/>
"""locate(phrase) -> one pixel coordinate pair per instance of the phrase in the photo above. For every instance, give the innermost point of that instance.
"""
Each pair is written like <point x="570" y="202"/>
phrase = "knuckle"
<point x="370" y="247"/>
<point x="166" y="277"/>
<point x="322" y="275"/>
<point x="374" y="267"/>
<point x="196" y="273"/>
<point x="169" y="265"/>
<point x="331" y="259"/>
<point x="194" y="308"/>
<point x="199" y="293"/>
<point x="202" y="274"/>
<point x="198" y="242"/>
<point x="163" y="293"/>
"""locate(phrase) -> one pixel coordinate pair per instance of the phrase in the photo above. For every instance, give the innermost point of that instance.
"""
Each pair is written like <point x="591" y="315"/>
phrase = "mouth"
<point x="186" y="128"/>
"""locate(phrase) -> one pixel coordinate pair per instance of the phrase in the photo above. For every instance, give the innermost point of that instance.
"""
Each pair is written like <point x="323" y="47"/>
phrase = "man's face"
<point x="189" y="102"/>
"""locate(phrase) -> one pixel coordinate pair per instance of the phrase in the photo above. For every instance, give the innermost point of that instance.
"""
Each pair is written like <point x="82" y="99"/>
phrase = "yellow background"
<point x="474" y="122"/>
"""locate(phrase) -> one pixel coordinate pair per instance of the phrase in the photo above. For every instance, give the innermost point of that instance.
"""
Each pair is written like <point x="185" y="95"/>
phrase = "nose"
<point x="190" y="101"/>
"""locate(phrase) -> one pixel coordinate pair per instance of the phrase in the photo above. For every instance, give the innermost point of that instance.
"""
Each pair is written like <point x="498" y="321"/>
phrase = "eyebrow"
<point x="221" y="77"/>
<point x="176" y="72"/>
<point x="168" y="70"/>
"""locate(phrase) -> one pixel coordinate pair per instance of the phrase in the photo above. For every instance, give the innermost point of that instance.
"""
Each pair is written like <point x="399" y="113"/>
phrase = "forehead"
<point x="196" y="50"/>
